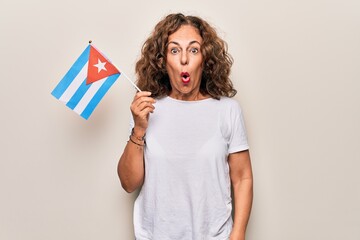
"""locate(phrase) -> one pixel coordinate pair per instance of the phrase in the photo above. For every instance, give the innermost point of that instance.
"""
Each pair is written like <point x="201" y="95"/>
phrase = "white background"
<point x="297" y="72"/>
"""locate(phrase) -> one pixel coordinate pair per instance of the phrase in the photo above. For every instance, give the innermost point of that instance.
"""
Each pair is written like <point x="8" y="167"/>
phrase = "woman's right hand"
<point x="141" y="107"/>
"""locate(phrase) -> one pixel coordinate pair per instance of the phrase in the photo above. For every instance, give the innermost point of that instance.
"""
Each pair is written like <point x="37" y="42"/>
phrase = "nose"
<point x="184" y="58"/>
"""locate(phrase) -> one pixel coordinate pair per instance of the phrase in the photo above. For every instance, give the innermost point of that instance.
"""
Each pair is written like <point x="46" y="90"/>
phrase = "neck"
<point x="188" y="97"/>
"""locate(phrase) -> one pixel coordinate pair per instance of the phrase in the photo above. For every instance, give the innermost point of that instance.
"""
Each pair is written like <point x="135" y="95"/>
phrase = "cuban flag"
<point x="87" y="81"/>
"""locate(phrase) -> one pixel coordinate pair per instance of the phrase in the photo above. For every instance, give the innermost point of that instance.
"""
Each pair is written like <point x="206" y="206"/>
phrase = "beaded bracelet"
<point x="141" y="145"/>
<point x="138" y="138"/>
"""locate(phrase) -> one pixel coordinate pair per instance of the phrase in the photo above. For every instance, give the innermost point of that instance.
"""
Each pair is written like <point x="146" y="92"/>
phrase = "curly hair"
<point x="151" y="67"/>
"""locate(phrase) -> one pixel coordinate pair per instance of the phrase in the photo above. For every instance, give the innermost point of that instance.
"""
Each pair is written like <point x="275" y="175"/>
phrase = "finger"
<point x="142" y="94"/>
<point x="136" y="108"/>
<point x="145" y="112"/>
<point x="145" y="105"/>
<point x="143" y="115"/>
<point x="141" y="104"/>
<point x="144" y="99"/>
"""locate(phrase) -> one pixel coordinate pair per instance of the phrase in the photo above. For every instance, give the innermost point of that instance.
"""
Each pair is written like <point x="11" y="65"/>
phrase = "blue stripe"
<point x="99" y="95"/>
<point x="80" y="92"/>
<point x="71" y="74"/>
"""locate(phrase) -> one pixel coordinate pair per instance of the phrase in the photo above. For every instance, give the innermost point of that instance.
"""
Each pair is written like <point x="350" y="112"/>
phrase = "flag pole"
<point x="132" y="83"/>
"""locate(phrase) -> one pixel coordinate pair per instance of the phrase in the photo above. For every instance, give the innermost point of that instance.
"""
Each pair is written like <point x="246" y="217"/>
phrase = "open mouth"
<point x="185" y="77"/>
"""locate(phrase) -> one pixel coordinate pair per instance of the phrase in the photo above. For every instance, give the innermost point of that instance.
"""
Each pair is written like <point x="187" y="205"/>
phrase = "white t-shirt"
<point x="186" y="194"/>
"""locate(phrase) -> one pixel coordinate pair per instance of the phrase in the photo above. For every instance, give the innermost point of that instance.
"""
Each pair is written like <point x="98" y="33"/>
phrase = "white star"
<point x="100" y="65"/>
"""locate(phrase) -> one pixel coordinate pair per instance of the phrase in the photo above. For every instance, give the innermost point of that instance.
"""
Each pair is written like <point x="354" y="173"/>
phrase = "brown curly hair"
<point x="151" y="67"/>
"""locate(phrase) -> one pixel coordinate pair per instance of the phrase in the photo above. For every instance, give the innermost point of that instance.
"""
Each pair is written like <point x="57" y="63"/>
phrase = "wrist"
<point x="138" y="133"/>
<point x="136" y="138"/>
<point x="237" y="235"/>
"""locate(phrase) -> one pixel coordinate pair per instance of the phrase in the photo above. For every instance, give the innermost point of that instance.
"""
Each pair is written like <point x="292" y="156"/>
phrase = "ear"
<point x="159" y="59"/>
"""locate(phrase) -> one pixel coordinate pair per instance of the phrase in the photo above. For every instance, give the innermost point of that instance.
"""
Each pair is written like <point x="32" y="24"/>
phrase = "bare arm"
<point x="242" y="182"/>
<point x="131" y="167"/>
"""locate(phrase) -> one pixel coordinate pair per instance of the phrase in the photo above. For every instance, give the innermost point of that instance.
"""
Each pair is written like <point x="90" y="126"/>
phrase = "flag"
<point x="86" y="82"/>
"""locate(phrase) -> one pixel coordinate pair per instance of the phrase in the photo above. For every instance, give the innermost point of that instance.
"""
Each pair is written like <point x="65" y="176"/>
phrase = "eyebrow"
<point x="178" y="44"/>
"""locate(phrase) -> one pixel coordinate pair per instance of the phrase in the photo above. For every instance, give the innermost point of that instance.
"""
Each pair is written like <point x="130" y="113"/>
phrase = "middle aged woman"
<point x="188" y="143"/>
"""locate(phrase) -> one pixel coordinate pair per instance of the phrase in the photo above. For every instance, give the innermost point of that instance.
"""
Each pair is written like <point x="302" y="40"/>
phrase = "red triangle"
<point x="99" y="67"/>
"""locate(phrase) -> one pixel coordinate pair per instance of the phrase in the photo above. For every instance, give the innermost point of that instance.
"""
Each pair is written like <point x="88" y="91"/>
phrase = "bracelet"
<point x="141" y="145"/>
<point x="138" y="138"/>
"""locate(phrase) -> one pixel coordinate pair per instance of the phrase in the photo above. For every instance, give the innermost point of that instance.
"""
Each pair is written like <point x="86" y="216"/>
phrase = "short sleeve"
<point x="235" y="132"/>
<point x="131" y="124"/>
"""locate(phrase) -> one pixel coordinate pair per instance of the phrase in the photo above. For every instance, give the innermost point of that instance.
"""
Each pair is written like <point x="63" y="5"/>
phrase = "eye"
<point x="194" y="50"/>
<point x="174" y="50"/>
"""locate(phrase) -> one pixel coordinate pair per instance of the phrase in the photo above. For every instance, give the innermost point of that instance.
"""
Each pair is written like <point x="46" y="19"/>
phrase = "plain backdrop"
<point x="297" y="72"/>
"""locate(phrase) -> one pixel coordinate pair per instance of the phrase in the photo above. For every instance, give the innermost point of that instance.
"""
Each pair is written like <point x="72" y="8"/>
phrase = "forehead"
<point x="185" y="34"/>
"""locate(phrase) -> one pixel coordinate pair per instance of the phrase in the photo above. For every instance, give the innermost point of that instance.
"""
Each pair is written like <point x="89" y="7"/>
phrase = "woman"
<point x="188" y="144"/>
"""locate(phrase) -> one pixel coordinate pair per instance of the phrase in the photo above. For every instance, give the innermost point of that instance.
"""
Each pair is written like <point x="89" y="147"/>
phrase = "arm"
<point x="242" y="182"/>
<point x="131" y="169"/>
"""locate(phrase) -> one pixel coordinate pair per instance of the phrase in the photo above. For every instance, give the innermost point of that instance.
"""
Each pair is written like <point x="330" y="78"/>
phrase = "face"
<point x="184" y="63"/>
